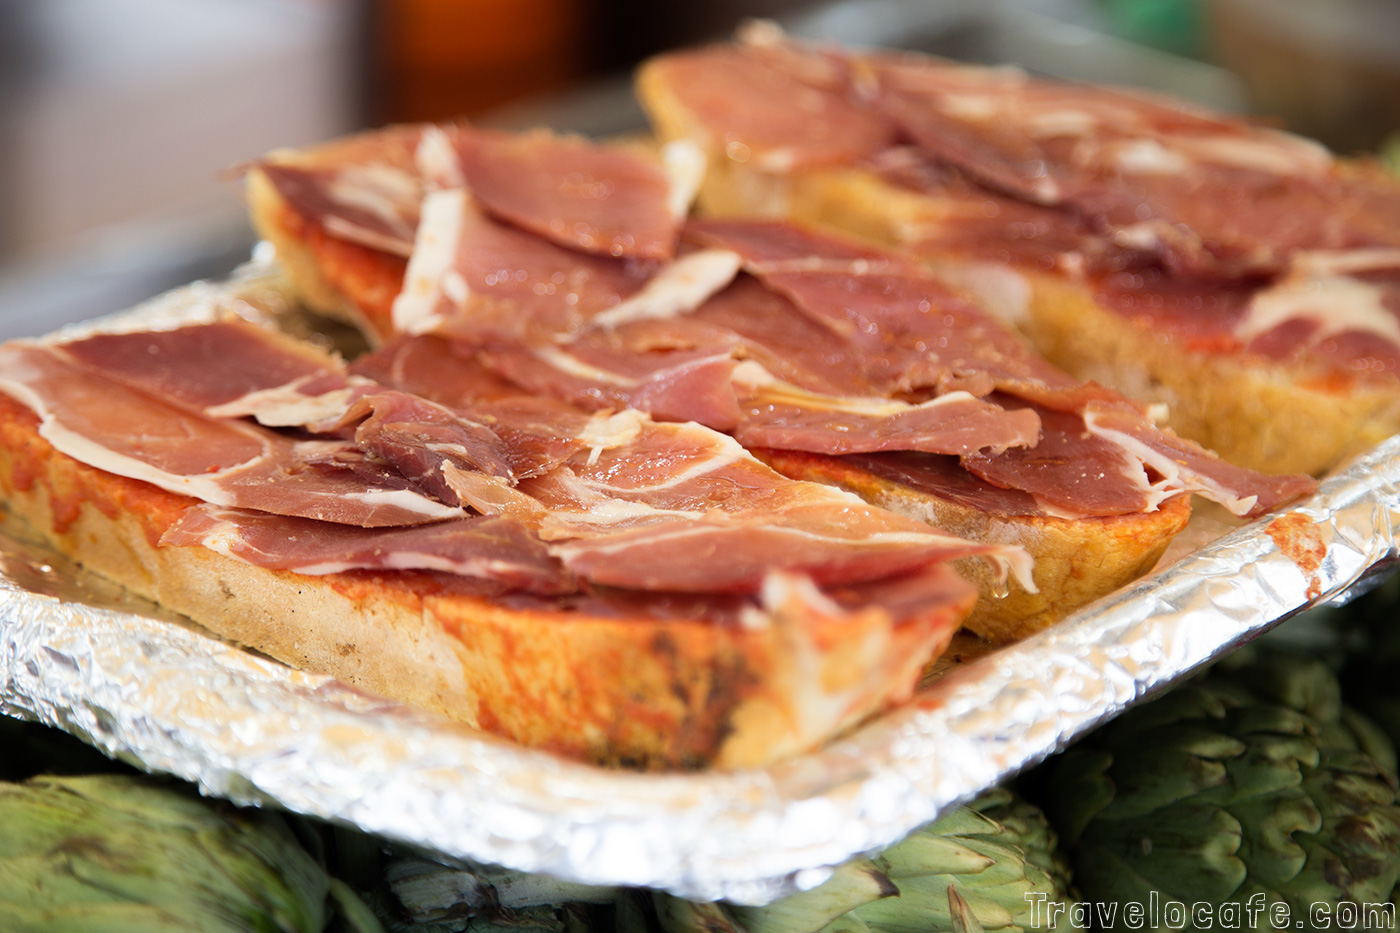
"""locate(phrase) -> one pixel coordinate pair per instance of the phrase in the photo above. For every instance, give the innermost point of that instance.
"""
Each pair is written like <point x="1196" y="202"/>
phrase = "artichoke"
<point x="983" y="866"/>
<point x="1249" y="788"/>
<point x="111" y="853"/>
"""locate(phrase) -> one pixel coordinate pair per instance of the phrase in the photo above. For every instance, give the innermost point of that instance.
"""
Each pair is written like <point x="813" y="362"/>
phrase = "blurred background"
<point x="123" y="122"/>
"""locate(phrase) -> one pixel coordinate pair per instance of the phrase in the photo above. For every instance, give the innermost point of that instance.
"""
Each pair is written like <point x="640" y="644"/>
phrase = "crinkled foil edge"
<point x="173" y="700"/>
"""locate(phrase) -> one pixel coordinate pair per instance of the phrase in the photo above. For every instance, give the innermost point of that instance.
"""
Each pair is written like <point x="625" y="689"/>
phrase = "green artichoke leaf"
<point x="124" y="839"/>
<point x="1307" y="813"/>
<point x="965" y="821"/>
<point x="927" y="853"/>
<point x="1155" y="779"/>
<point x="36" y="820"/>
<point x="847" y="923"/>
<point x="1271" y="764"/>
<point x="41" y="882"/>
<point x="923" y="906"/>
<point x="853" y="884"/>
<point x="1300" y="683"/>
<point x="1366" y="736"/>
<point x="1270" y="824"/>
<point x="1188" y="851"/>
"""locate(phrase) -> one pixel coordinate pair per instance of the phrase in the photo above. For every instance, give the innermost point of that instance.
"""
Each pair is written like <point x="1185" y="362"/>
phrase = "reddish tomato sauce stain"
<point x="1298" y="537"/>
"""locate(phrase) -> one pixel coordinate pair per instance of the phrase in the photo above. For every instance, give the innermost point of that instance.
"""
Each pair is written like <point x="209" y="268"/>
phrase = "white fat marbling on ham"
<point x="1185" y="465"/>
<point x="416" y="309"/>
<point x="1066" y="121"/>
<point x="684" y="164"/>
<point x="1147" y="157"/>
<point x="1332" y="303"/>
<point x="1175" y="476"/>
<point x="1266" y="151"/>
<point x="681" y="489"/>
<point x="788" y="418"/>
<point x="1344" y="261"/>
<point x="679" y="287"/>
<point x="765" y="411"/>
<point x="285" y="385"/>
<point x="288" y="405"/>
<point x="571" y="365"/>
<point x="606" y="430"/>
<point x="385" y="192"/>
<point x="719" y="452"/>
<point x="437" y="161"/>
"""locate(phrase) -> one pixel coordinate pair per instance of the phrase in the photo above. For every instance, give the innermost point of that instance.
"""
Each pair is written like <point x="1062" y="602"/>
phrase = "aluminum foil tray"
<point x="153" y="690"/>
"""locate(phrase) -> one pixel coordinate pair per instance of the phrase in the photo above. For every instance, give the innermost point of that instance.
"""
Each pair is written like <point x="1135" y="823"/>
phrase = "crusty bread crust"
<point x="1263" y="414"/>
<point x="309" y="258"/>
<point x="655" y="693"/>
<point x="1076" y="560"/>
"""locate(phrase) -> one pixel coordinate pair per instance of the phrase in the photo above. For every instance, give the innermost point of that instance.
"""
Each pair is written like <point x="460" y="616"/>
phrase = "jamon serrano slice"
<point x="123" y="431"/>
<point x="485" y="548"/>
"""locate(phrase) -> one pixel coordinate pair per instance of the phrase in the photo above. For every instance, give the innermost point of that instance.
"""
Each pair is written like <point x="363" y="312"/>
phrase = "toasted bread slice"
<point x="627" y="689"/>
<point x="322" y="270"/>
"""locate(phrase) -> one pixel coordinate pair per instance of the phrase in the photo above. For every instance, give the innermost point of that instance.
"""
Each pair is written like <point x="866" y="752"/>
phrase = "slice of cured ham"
<point x="103" y="423"/>
<point x="646" y="510"/>
<point x="365" y="188"/>
<point x="604" y="200"/>
<point x="1203" y="194"/>
<point x="491" y="548"/>
<point x="231" y="369"/>
<point x="709" y="385"/>
<point x="492" y="282"/>
<point x="634" y="494"/>
<point x="918" y="332"/>
<point x="612" y="201"/>
<point x="486" y="282"/>
<point x="790" y="120"/>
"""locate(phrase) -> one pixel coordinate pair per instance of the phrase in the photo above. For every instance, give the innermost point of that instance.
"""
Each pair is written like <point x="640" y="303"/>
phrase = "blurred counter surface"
<point x="121" y="121"/>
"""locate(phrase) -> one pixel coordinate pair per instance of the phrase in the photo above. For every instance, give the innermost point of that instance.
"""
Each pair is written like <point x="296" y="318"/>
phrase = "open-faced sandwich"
<point x="1241" y="276"/>
<point x="598" y="584"/>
